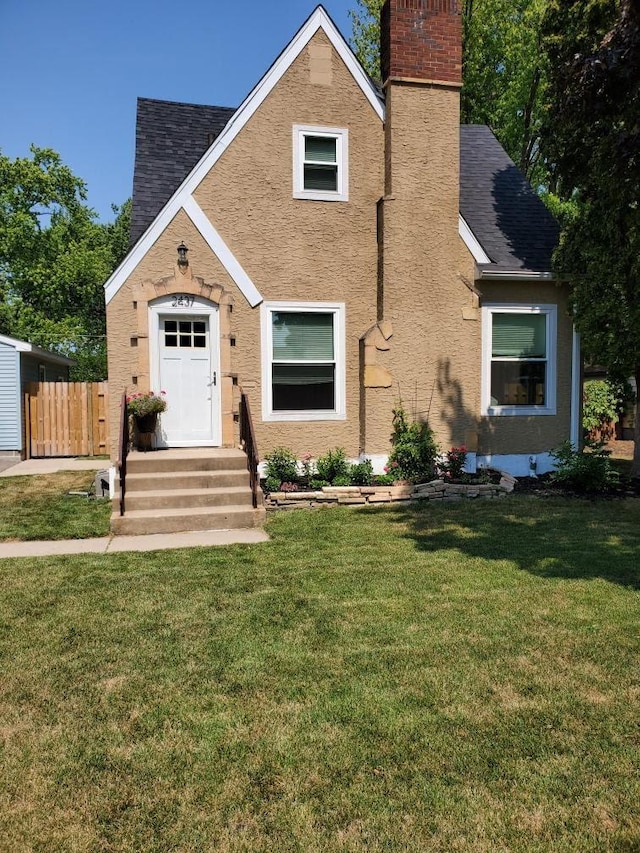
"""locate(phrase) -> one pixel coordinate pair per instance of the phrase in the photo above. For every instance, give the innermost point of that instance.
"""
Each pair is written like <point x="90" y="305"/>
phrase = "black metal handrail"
<point x="249" y="445"/>
<point x="123" y="449"/>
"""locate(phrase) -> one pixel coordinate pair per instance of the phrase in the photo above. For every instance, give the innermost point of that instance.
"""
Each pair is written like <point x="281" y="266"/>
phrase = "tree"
<point x="55" y="258"/>
<point x="592" y="134"/>
<point x="504" y="71"/>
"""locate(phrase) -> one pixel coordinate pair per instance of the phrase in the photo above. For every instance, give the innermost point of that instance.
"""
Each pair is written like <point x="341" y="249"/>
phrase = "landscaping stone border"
<point x="436" y="490"/>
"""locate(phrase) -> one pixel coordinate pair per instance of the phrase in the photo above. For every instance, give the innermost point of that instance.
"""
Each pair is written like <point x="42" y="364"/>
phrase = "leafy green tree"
<point x="504" y="71"/>
<point x="55" y="258"/>
<point x="592" y="135"/>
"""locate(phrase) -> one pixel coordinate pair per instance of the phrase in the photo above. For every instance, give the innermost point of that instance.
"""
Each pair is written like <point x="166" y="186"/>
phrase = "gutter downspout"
<point x="576" y="392"/>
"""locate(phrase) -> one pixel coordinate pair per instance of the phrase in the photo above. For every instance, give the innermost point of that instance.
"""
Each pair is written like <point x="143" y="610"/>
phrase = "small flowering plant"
<point x="307" y="466"/>
<point x="140" y="405"/>
<point x="453" y="466"/>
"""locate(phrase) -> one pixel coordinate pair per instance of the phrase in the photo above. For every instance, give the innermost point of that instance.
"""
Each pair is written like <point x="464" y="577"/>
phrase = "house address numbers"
<point x="182" y="300"/>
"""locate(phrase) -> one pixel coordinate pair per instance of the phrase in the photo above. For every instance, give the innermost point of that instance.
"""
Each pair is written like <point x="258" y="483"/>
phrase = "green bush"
<point x="583" y="471"/>
<point x="414" y="450"/>
<point x="316" y="484"/>
<point x="361" y="473"/>
<point x="332" y="466"/>
<point x="342" y="480"/>
<point x="600" y="405"/>
<point x="272" y="484"/>
<point x="384" y="480"/>
<point x="281" y="465"/>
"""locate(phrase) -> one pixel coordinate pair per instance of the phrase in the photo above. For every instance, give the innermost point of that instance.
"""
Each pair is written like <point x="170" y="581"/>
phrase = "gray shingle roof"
<point x="509" y="220"/>
<point x="170" y="139"/>
<point x="511" y="223"/>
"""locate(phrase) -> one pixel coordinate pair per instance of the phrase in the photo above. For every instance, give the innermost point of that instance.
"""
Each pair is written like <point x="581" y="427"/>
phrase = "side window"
<point x="320" y="163"/>
<point x="519" y="360"/>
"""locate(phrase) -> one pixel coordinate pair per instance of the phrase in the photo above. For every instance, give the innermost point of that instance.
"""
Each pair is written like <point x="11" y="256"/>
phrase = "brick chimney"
<point x="421" y="40"/>
<point x="420" y="292"/>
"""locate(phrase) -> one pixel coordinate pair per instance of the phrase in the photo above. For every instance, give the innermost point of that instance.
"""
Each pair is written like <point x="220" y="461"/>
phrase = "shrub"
<point x="414" y="451"/>
<point x="600" y="406"/>
<point x="384" y="480"/>
<point x="332" y="466"/>
<point x="453" y="466"/>
<point x="342" y="480"/>
<point x="281" y="465"/>
<point x="316" y="484"/>
<point x="583" y="471"/>
<point x="272" y="484"/>
<point x="361" y="473"/>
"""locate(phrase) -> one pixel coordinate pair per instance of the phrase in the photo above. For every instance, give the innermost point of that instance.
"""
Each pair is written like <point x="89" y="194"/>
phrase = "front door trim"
<point x="187" y="305"/>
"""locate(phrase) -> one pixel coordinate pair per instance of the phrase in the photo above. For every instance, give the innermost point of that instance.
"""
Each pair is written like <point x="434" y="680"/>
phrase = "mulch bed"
<point x="543" y="486"/>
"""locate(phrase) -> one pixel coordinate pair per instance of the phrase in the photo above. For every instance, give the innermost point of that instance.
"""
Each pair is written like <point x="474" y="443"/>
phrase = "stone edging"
<point x="436" y="490"/>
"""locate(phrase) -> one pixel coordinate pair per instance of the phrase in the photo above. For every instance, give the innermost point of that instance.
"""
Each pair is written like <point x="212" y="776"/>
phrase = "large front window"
<point x="519" y="360"/>
<point x="304" y="366"/>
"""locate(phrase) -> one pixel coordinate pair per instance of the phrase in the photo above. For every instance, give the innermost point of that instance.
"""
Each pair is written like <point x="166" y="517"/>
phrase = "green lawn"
<point x="450" y="678"/>
<point x="40" y="507"/>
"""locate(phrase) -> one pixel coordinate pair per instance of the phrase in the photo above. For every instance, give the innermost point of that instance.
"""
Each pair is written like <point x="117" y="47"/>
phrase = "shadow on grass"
<point x="554" y="538"/>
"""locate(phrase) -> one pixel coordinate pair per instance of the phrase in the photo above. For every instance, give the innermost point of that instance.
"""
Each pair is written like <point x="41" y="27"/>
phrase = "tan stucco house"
<point x="332" y="247"/>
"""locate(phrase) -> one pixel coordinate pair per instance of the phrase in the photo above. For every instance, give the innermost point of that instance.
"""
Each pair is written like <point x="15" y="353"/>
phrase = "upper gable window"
<point x="320" y="163"/>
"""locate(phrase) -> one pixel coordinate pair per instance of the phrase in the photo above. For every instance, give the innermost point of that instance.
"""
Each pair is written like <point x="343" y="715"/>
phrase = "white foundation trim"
<point x="516" y="464"/>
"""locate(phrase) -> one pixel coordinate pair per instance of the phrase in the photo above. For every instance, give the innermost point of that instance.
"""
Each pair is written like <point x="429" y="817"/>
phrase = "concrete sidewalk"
<point x="52" y="465"/>
<point x="118" y="544"/>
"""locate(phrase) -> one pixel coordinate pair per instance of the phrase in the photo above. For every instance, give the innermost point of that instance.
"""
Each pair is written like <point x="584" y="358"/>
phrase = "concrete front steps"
<point x="184" y="489"/>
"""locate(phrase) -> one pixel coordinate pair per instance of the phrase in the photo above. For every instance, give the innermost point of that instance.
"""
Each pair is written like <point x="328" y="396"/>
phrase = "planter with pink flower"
<point x="145" y="409"/>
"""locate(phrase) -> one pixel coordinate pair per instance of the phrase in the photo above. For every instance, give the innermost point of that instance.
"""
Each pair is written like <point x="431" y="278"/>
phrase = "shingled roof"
<point x="509" y="220"/>
<point x="170" y="139"/>
<point x="513" y="226"/>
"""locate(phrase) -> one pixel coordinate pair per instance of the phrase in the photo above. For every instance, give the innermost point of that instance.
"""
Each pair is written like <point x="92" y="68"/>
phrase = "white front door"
<point x="189" y="373"/>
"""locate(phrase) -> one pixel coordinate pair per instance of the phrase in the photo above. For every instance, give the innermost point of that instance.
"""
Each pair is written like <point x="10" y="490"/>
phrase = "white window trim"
<point x="551" y="314"/>
<point x="341" y="135"/>
<point x="338" y="311"/>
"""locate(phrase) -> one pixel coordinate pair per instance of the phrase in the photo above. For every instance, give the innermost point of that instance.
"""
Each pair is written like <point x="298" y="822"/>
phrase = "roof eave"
<point x="522" y="275"/>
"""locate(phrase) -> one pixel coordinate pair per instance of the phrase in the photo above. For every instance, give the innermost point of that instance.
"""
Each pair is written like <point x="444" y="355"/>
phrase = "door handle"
<point x="214" y="379"/>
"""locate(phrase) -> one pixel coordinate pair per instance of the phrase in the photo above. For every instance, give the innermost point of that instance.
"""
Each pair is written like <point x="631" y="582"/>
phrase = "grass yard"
<point x="449" y="678"/>
<point x="39" y="507"/>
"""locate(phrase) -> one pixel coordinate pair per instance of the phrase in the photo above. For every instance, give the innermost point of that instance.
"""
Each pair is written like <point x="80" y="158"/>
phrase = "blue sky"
<point x="72" y="69"/>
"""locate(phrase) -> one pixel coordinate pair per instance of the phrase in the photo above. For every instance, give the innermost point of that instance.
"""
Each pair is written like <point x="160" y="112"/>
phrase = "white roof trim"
<point x="25" y="346"/>
<point x="222" y="252"/>
<point x="472" y="243"/>
<point x="318" y="20"/>
<point x="505" y="275"/>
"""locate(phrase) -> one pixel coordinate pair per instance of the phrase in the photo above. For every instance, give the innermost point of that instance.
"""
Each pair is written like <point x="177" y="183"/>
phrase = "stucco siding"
<point x="435" y="348"/>
<point x="297" y="249"/>
<point x="292" y="249"/>
<point x="10" y="419"/>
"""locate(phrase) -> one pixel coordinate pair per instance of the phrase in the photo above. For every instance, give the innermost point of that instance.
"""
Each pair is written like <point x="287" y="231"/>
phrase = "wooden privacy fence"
<point x="66" y="418"/>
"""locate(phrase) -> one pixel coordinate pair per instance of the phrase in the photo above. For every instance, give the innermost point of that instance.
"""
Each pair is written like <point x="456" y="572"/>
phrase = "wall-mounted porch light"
<point x="183" y="263"/>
